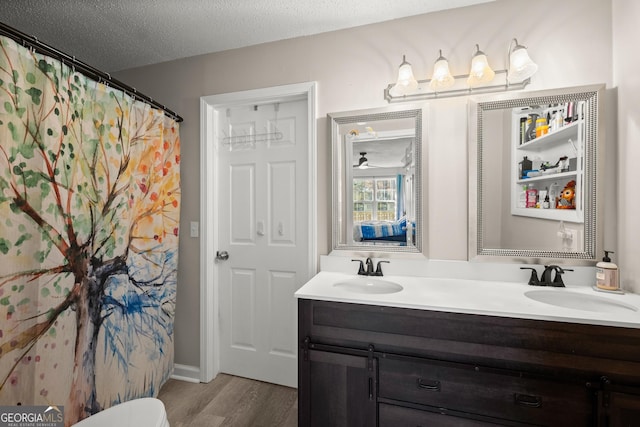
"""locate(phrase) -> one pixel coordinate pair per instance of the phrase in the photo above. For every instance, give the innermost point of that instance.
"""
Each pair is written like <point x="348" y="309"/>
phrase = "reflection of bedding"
<point x="380" y="230"/>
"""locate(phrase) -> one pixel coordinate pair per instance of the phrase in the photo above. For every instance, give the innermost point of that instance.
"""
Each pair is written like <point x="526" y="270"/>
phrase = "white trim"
<point x="186" y="373"/>
<point x="209" y="365"/>
<point x="209" y="345"/>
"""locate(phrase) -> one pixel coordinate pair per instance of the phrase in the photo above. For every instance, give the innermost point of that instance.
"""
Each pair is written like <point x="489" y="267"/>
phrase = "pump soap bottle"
<point x="607" y="274"/>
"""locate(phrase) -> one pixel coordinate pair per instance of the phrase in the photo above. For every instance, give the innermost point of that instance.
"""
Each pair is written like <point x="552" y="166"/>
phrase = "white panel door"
<point x="262" y="225"/>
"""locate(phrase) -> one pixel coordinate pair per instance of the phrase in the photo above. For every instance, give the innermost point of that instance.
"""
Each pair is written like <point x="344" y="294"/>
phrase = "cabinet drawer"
<point x="398" y="416"/>
<point x="495" y="393"/>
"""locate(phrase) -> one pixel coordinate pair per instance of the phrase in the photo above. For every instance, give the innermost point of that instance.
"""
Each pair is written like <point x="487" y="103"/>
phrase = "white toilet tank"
<point x="144" y="412"/>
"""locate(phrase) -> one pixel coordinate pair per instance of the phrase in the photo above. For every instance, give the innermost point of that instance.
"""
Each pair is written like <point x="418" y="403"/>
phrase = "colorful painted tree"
<point x="89" y="195"/>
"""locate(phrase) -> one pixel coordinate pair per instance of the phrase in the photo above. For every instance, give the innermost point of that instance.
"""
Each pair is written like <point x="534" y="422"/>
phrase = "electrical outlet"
<point x="194" y="229"/>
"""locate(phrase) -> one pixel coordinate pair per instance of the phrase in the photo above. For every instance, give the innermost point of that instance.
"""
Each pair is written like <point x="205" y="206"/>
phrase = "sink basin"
<point x="366" y="285"/>
<point x="578" y="301"/>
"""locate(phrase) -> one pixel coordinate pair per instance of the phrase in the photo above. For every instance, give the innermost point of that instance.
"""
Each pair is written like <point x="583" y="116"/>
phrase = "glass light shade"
<point x="481" y="73"/>
<point x="521" y="67"/>
<point x="442" y="78"/>
<point x="406" y="82"/>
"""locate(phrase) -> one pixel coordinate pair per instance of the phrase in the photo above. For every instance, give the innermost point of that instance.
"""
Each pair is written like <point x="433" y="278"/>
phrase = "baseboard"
<point x="186" y="373"/>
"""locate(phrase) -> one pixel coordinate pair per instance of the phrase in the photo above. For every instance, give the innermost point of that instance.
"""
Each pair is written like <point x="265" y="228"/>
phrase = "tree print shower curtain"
<point x="89" y="213"/>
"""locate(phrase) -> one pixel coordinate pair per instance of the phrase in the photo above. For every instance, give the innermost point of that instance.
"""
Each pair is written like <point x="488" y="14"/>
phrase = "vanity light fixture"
<point x="443" y="85"/>
<point x="442" y="78"/>
<point x="481" y="73"/>
<point x="521" y="67"/>
<point x="406" y="83"/>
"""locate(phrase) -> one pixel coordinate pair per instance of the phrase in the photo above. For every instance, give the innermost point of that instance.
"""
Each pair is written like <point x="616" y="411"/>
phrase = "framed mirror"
<point x="377" y="176"/>
<point x="533" y="175"/>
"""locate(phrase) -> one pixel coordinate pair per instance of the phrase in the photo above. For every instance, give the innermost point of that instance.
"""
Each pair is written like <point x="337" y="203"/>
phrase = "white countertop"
<point x="493" y="298"/>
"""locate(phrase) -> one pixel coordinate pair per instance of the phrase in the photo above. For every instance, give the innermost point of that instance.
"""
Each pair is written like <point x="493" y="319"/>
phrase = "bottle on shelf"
<point x="531" y="126"/>
<point x="523" y="130"/>
<point x="541" y="127"/>
<point x="543" y="196"/>
<point x="532" y="196"/>
<point x="554" y="193"/>
<point x="522" y="197"/>
<point x="556" y="121"/>
<point x="524" y="166"/>
<point x="571" y="114"/>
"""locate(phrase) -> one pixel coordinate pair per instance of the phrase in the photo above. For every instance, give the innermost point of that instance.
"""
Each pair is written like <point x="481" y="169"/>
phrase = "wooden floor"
<point x="229" y="401"/>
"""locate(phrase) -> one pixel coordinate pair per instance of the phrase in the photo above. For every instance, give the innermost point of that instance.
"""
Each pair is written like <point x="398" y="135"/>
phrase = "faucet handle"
<point x="379" y="268"/>
<point x="533" y="280"/>
<point x="361" y="270"/>
<point x="557" y="281"/>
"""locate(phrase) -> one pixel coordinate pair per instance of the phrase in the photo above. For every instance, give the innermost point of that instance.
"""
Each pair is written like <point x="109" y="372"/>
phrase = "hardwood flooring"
<point x="229" y="401"/>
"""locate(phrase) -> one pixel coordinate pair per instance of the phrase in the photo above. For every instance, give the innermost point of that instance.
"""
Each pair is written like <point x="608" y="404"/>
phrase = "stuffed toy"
<point x="567" y="199"/>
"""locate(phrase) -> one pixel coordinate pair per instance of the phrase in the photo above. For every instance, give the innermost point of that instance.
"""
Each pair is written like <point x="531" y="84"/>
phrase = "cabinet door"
<point x="623" y="410"/>
<point x="337" y="390"/>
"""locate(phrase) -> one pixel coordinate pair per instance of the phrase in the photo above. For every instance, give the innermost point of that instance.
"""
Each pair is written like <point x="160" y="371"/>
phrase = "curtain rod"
<point x="88" y="70"/>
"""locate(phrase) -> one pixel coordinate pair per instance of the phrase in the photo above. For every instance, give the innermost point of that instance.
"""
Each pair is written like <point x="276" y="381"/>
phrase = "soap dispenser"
<point x="607" y="274"/>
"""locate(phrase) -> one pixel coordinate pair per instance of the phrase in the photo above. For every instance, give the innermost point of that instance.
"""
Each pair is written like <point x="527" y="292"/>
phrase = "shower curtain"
<point x="89" y="214"/>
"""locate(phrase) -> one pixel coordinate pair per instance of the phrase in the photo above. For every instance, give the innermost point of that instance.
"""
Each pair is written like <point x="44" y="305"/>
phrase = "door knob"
<point x="222" y="255"/>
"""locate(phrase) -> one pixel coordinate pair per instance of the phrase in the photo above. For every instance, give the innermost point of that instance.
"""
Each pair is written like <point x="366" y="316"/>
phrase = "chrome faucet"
<point x="545" y="279"/>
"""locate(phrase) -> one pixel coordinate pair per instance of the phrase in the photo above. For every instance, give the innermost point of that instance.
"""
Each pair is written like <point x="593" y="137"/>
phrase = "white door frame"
<point x="209" y="285"/>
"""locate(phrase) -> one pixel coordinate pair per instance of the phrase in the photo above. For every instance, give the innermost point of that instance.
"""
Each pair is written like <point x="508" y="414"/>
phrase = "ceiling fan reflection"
<point x="363" y="162"/>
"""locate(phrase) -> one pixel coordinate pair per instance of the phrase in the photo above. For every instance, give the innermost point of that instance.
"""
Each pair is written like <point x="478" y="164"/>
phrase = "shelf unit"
<point x="562" y="176"/>
<point x="546" y="141"/>
<point x="565" y="141"/>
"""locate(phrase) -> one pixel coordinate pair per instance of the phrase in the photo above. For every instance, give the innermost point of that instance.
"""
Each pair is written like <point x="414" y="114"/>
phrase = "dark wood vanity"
<point x="368" y="365"/>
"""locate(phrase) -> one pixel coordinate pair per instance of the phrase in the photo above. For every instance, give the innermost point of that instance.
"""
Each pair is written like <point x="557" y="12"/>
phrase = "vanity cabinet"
<point x="408" y="367"/>
<point x="567" y="140"/>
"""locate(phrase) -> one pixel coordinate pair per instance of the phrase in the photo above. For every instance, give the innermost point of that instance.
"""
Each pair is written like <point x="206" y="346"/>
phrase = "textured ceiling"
<point x="113" y="35"/>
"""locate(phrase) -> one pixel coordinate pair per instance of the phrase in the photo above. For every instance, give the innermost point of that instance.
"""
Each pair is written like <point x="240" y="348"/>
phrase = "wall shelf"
<point x="562" y="176"/>
<point x="569" y="215"/>
<point x="557" y="137"/>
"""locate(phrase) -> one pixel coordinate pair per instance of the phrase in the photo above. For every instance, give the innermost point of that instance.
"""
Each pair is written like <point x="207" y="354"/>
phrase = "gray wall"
<point x="570" y="40"/>
<point x="626" y="32"/>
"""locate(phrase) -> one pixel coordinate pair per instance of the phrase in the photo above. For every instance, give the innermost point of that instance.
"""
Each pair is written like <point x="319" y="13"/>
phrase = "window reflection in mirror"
<point x="376" y="167"/>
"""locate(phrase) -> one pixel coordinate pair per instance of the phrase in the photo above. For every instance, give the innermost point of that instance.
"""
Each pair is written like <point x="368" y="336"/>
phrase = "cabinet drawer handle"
<point x="428" y="385"/>
<point x="528" y="400"/>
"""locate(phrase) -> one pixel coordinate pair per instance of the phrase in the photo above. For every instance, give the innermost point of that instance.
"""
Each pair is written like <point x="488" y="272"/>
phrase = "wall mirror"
<point x="533" y="174"/>
<point x="377" y="201"/>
